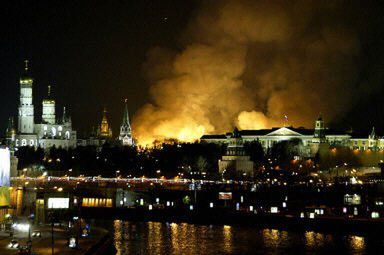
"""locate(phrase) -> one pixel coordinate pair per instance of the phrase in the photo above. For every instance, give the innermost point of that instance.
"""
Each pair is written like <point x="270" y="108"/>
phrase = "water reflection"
<point x="182" y="238"/>
<point x="313" y="239"/>
<point x="117" y="236"/>
<point x="227" y="239"/>
<point x="357" y="243"/>
<point x="274" y="238"/>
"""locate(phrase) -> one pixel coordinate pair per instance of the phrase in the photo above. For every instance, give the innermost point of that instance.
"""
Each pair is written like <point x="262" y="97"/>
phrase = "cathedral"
<point x="105" y="129"/>
<point x="52" y="131"/>
<point x="58" y="132"/>
<point x="103" y="133"/>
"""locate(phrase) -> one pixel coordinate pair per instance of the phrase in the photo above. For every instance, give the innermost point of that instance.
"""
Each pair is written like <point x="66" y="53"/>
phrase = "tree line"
<point x="178" y="159"/>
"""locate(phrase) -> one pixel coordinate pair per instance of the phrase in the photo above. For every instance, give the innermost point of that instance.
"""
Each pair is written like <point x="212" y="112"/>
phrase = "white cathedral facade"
<point x="52" y="131"/>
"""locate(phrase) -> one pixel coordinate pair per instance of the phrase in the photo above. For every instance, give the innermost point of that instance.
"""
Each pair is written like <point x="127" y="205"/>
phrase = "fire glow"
<point x="251" y="64"/>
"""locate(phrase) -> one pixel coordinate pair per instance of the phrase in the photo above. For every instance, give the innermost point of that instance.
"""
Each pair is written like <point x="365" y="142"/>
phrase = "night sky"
<point x="93" y="53"/>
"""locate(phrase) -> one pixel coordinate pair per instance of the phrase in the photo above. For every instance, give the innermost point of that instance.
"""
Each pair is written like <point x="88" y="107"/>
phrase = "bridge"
<point x="137" y="184"/>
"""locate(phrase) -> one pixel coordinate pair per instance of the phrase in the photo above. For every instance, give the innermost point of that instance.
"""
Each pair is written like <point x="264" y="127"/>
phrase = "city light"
<point x="23" y="227"/>
<point x="212" y="115"/>
<point x="274" y="209"/>
<point x="58" y="203"/>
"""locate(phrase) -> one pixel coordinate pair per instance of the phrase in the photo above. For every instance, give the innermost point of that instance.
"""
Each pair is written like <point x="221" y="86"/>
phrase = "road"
<point x="42" y="245"/>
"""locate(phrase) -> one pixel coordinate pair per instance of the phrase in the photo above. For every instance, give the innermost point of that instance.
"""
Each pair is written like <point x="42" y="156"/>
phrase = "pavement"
<point x="42" y="245"/>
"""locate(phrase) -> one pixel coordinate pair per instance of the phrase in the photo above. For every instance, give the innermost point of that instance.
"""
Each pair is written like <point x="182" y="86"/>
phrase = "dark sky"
<point x="91" y="51"/>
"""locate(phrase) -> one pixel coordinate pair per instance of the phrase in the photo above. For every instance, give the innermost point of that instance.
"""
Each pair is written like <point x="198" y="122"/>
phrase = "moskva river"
<point x="190" y="239"/>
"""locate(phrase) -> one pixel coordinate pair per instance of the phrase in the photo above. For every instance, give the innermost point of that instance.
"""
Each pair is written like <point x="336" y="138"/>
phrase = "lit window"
<point x="45" y="128"/>
<point x="53" y="131"/>
<point x="60" y="128"/>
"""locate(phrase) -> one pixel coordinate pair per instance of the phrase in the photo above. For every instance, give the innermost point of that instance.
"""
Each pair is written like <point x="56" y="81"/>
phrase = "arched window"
<point x="53" y="131"/>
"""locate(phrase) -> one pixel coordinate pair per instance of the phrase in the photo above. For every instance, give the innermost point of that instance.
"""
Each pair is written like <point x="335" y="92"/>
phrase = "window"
<point x="53" y="131"/>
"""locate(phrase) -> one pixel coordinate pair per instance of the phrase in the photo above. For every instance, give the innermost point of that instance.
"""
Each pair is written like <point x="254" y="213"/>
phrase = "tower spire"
<point x="105" y="127"/>
<point x="373" y="134"/>
<point x="10" y="132"/>
<point x="26" y="65"/>
<point x="49" y="91"/>
<point x="126" y="114"/>
<point x="319" y="133"/>
<point x="64" y="115"/>
<point x="125" y="135"/>
<point x="26" y="109"/>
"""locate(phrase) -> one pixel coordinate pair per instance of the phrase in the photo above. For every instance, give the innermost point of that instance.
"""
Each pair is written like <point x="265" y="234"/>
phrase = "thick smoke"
<point x="250" y="63"/>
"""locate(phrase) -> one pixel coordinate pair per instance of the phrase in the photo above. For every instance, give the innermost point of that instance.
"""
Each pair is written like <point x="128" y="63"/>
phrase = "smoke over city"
<point x="251" y="63"/>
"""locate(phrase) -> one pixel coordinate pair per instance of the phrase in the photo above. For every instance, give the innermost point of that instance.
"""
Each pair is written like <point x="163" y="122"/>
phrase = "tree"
<point x="283" y="154"/>
<point x="201" y="164"/>
<point x="255" y="150"/>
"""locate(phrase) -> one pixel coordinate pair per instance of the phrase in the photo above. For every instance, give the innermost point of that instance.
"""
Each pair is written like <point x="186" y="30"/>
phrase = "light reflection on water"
<point x="183" y="238"/>
<point x="357" y="243"/>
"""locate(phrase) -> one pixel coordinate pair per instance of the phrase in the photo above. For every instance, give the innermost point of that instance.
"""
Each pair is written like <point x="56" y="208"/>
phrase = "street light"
<point x="30" y="218"/>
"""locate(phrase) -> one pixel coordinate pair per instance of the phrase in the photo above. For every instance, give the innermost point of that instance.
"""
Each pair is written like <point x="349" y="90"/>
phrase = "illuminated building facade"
<point x="50" y="132"/>
<point x="235" y="159"/>
<point x="105" y="129"/>
<point x="125" y="136"/>
<point x="310" y="138"/>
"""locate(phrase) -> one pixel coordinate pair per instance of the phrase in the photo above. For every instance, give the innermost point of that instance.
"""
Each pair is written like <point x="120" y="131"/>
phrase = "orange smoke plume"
<point x="247" y="64"/>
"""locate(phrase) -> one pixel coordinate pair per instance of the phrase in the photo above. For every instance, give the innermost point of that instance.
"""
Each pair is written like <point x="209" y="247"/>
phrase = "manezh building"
<point x="52" y="131"/>
<point x="310" y="138"/>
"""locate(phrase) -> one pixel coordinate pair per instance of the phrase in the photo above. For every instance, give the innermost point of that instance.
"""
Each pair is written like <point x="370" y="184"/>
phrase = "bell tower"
<point x="26" y="110"/>
<point x="49" y="116"/>
<point x="319" y="129"/>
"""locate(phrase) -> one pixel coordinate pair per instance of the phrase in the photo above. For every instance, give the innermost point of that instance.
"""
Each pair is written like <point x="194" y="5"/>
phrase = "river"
<point x="182" y="238"/>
